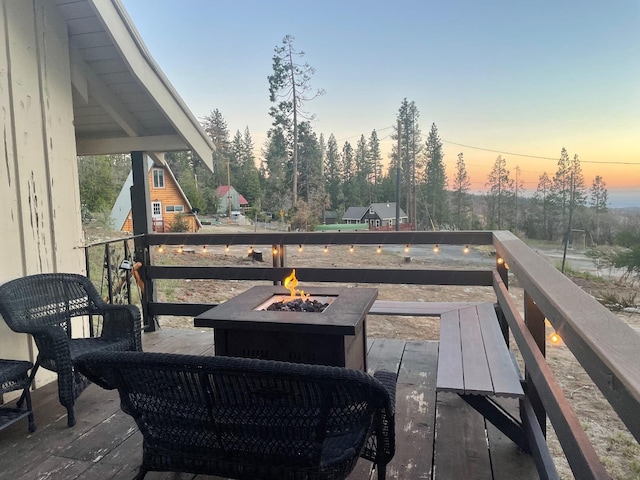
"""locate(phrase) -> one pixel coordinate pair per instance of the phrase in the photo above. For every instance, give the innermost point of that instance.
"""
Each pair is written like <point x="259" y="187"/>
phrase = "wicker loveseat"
<point x="250" y="419"/>
<point x="48" y="305"/>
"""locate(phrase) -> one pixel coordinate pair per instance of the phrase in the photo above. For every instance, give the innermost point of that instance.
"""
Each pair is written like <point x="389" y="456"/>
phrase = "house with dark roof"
<point x="378" y="216"/>
<point x="354" y="215"/>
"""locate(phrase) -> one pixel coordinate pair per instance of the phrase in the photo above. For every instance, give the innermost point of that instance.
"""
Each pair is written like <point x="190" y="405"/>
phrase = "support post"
<point x="141" y="217"/>
<point x="534" y="320"/>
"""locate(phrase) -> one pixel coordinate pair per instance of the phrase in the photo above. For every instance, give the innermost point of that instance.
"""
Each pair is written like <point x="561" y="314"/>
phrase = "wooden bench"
<point x="475" y="362"/>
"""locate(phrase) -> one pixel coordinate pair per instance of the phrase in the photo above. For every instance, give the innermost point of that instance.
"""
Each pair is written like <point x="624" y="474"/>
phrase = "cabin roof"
<point x="122" y="101"/>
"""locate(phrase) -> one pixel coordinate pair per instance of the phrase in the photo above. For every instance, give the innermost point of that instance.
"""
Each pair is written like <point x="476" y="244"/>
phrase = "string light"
<point x="406" y="249"/>
<point x="250" y="250"/>
<point x="180" y="249"/>
<point x="436" y="249"/>
<point x="226" y="248"/>
<point x="555" y="339"/>
<point x="379" y="249"/>
<point x="204" y="249"/>
<point x="160" y="249"/>
<point x="465" y="250"/>
<point x="351" y="249"/>
<point x="300" y="248"/>
<point x="500" y="260"/>
<point x="275" y="251"/>
<point x="325" y="249"/>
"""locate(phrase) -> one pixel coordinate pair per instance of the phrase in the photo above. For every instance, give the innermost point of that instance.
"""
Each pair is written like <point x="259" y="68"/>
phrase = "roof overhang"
<point x="122" y="101"/>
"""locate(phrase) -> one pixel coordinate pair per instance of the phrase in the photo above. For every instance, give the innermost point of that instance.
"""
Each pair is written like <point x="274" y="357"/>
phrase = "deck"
<point x="435" y="438"/>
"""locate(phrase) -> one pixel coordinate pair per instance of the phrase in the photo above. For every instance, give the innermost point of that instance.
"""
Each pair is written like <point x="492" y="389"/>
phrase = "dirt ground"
<point x="616" y="447"/>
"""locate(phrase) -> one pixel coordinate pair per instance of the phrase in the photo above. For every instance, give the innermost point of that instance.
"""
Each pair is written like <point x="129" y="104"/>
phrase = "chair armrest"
<point x="122" y="321"/>
<point x="380" y="447"/>
<point x="52" y="342"/>
<point x="388" y="381"/>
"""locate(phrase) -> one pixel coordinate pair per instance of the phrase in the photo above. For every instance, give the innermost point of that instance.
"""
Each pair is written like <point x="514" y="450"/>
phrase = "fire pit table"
<point x="336" y="336"/>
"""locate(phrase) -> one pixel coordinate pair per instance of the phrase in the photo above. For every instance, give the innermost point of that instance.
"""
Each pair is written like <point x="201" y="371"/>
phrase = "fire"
<point x="291" y="282"/>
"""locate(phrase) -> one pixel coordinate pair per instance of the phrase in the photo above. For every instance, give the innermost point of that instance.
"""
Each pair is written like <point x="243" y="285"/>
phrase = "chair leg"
<point x="71" y="418"/>
<point x="32" y="424"/>
<point x="140" y="474"/>
<point x="31" y="377"/>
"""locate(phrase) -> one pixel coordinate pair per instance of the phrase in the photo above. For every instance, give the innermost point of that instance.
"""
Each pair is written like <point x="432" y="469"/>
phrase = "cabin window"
<point x="371" y="211"/>
<point x="174" y="208"/>
<point x="156" y="209"/>
<point x="158" y="178"/>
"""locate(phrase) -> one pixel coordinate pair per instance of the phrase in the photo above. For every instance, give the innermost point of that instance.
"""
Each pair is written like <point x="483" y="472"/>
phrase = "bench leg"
<point x="500" y="418"/>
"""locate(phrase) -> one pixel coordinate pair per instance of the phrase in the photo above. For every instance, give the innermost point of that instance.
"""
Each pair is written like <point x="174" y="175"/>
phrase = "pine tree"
<point x="215" y="126"/>
<point x="598" y="200"/>
<point x="408" y="156"/>
<point x="500" y="191"/>
<point x="435" y="178"/>
<point x="460" y="196"/>
<point x="333" y="173"/>
<point x="375" y="159"/>
<point x="545" y="206"/>
<point x="289" y="90"/>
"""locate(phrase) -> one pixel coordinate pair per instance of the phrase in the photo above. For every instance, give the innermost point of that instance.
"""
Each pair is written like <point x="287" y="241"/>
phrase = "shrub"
<point x="179" y="223"/>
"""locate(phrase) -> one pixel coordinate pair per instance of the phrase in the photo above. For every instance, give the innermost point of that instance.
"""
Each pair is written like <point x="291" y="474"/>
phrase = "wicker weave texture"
<point x="247" y="418"/>
<point x="45" y="306"/>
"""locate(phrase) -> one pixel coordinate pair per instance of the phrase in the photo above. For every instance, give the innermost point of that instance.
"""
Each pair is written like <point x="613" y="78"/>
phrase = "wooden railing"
<point x="607" y="349"/>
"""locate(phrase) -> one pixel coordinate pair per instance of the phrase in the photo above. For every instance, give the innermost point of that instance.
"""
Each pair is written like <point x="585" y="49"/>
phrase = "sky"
<point x="512" y="78"/>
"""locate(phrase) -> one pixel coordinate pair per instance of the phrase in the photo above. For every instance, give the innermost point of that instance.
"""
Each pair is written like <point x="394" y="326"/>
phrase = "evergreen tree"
<point x="274" y="171"/>
<point x="333" y="173"/>
<point x="349" y="187"/>
<point x="375" y="160"/>
<point x="461" y="200"/>
<point x="544" y="210"/>
<point x="289" y="90"/>
<point x="500" y="191"/>
<point x="215" y="126"/>
<point x="408" y="156"/>
<point x="310" y="167"/>
<point x="435" y="179"/>
<point x="363" y="172"/>
<point x="598" y="200"/>
<point x="97" y="189"/>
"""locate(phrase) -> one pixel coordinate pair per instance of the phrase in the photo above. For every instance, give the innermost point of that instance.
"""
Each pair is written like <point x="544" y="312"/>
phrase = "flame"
<point x="291" y="282"/>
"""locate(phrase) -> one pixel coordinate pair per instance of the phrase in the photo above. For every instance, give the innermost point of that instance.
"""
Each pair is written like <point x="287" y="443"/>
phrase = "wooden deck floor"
<point x="439" y="438"/>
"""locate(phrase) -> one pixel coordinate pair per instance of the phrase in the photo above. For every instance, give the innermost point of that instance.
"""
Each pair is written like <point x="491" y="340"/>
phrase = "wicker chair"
<point x="250" y="419"/>
<point x="46" y="306"/>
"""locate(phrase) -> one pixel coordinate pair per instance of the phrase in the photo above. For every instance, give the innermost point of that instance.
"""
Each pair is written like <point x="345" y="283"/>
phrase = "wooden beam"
<point x="105" y="146"/>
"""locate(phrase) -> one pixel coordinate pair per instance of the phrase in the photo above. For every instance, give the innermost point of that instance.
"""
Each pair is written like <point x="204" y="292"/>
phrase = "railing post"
<point x="107" y="267"/>
<point x="534" y="319"/>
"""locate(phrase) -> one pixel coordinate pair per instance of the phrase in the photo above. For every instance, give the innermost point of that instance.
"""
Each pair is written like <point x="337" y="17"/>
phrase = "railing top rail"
<point x="606" y="347"/>
<point x="322" y="238"/>
<point x="111" y="240"/>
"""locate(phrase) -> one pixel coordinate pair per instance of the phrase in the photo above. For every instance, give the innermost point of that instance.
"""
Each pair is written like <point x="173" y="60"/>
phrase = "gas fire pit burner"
<point x="298" y="305"/>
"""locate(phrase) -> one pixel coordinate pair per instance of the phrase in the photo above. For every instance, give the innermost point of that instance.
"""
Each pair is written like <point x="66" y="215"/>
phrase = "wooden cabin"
<point x="167" y="200"/>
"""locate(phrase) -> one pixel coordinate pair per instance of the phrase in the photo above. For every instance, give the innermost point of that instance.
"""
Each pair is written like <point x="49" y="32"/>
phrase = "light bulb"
<point x="436" y="249"/>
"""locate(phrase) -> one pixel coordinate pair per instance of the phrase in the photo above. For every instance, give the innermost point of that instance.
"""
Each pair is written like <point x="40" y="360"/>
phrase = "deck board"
<point x="105" y="444"/>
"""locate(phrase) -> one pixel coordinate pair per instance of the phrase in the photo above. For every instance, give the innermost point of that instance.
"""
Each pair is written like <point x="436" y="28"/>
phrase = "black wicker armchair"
<point x="250" y="419"/>
<point x="48" y="305"/>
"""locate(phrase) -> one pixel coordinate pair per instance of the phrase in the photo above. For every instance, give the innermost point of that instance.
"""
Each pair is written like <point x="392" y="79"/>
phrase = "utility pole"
<point x="398" y="181"/>
<point x="229" y="189"/>
<point x="571" y="198"/>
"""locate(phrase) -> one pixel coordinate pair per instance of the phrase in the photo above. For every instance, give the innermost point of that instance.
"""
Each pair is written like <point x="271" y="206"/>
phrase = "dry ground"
<point x="616" y="447"/>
